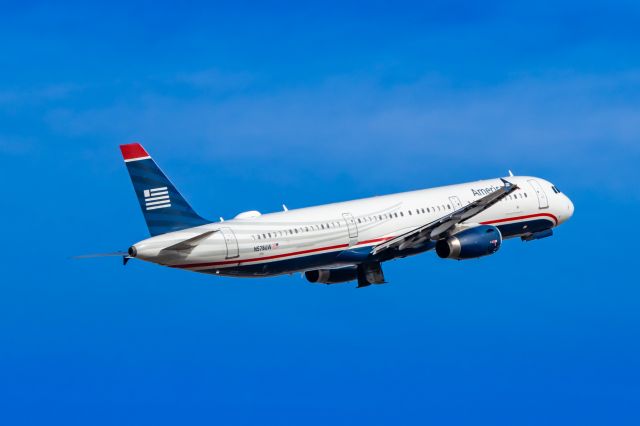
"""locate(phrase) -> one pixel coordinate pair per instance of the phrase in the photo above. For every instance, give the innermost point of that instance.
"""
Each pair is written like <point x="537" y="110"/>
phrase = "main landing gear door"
<point x="352" y="228"/>
<point x="231" y="242"/>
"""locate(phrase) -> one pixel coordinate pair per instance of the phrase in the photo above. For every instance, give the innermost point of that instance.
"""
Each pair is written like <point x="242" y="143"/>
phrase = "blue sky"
<point x="253" y="105"/>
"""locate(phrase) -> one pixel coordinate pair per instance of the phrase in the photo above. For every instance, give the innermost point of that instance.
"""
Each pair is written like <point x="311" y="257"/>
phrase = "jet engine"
<point x="475" y="242"/>
<point x="332" y="276"/>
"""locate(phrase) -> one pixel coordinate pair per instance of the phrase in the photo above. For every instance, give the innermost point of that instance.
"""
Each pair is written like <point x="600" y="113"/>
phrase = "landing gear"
<point x="370" y="273"/>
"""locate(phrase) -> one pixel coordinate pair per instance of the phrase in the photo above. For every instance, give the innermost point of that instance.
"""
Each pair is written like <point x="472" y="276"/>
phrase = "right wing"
<point x="441" y="227"/>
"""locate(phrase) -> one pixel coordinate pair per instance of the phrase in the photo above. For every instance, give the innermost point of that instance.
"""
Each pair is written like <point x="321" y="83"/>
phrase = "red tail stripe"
<point x="132" y="151"/>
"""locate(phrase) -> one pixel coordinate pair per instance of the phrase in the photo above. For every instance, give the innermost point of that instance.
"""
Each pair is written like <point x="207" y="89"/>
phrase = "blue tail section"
<point x="164" y="208"/>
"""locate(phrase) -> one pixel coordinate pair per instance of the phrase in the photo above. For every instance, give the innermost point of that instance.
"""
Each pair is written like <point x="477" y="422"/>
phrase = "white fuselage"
<point x="338" y="234"/>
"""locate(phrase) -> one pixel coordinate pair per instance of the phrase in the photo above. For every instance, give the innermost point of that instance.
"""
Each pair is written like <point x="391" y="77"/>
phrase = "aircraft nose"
<point x="570" y="208"/>
<point x="567" y="210"/>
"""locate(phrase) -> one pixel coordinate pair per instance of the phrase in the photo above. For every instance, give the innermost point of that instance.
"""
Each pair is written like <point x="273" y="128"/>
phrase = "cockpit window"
<point x="555" y="189"/>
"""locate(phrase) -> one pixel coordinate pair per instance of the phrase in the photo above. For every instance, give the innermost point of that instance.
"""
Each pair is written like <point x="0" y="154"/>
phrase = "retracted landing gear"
<point x="370" y="273"/>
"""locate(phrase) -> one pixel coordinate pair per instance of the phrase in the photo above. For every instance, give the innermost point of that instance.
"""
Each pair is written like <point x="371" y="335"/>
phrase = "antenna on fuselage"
<point x="510" y="173"/>
<point x="285" y="208"/>
<point x="221" y="219"/>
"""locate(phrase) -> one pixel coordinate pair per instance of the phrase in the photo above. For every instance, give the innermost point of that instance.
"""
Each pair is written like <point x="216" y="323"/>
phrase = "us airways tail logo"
<point x="156" y="198"/>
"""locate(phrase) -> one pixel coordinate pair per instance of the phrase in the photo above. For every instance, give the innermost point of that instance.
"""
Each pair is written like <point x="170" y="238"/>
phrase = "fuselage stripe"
<point x="529" y="216"/>
<point x="340" y="246"/>
<point x="277" y="256"/>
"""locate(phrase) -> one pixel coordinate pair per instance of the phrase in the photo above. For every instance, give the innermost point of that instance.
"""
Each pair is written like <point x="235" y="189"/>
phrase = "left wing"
<point x="441" y="227"/>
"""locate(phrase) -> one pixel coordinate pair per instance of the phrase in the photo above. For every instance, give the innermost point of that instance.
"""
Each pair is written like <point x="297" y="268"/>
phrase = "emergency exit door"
<point x="455" y="201"/>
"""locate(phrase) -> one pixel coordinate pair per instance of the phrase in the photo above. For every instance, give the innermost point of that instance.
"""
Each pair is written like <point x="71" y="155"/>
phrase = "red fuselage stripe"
<point x="340" y="246"/>
<point x="277" y="256"/>
<point x="529" y="216"/>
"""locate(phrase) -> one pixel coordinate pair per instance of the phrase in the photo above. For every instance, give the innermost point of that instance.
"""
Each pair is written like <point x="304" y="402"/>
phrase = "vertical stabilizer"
<point x="164" y="208"/>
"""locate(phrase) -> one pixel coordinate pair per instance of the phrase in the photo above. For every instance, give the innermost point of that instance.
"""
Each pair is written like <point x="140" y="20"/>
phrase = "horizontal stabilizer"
<point x="192" y="242"/>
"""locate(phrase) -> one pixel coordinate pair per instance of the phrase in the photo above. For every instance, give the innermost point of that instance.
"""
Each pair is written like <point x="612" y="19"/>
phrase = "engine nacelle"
<point x="332" y="276"/>
<point x="474" y="242"/>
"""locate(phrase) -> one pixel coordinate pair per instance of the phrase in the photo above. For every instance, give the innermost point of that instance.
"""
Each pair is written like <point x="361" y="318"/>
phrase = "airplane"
<point x="345" y="241"/>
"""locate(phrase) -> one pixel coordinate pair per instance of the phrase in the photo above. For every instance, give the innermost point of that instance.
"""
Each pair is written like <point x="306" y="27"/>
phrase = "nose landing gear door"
<point x="351" y="227"/>
<point x="543" y="202"/>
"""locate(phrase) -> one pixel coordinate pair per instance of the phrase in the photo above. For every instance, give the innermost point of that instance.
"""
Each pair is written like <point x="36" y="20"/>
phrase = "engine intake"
<point x="332" y="276"/>
<point x="471" y="243"/>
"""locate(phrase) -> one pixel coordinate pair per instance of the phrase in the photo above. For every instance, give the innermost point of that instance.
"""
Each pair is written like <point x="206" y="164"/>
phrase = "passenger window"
<point x="401" y="214"/>
<point x="525" y="195"/>
<point x="449" y="206"/>
<point x="409" y="211"/>
<point x="359" y="221"/>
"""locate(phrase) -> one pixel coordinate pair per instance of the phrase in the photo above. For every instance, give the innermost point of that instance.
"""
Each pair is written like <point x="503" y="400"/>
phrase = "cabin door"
<point x="351" y="227"/>
<point x="231" y="242"/>
<point x="543" y="202"/>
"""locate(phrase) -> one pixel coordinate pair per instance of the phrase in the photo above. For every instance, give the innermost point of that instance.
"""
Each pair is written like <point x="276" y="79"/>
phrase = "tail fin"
<point x="163" y="207"/>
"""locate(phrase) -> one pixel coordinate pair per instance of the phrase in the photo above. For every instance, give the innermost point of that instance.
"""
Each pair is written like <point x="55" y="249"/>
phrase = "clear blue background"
<point x="251" y="106"/>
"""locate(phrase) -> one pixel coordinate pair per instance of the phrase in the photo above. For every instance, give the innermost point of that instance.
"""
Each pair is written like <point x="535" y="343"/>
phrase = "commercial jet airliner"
<point x="345" y="241"/>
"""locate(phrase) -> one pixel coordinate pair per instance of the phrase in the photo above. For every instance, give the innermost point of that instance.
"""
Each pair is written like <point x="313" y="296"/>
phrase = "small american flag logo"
<point x="156" y="198"/>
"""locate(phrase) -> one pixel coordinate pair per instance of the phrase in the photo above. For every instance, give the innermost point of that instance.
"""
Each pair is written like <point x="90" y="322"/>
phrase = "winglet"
<point x="506" y="182"/>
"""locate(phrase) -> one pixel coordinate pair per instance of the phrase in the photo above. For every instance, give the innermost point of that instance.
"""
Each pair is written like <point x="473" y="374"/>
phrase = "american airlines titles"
<point x="484" y="191"/>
